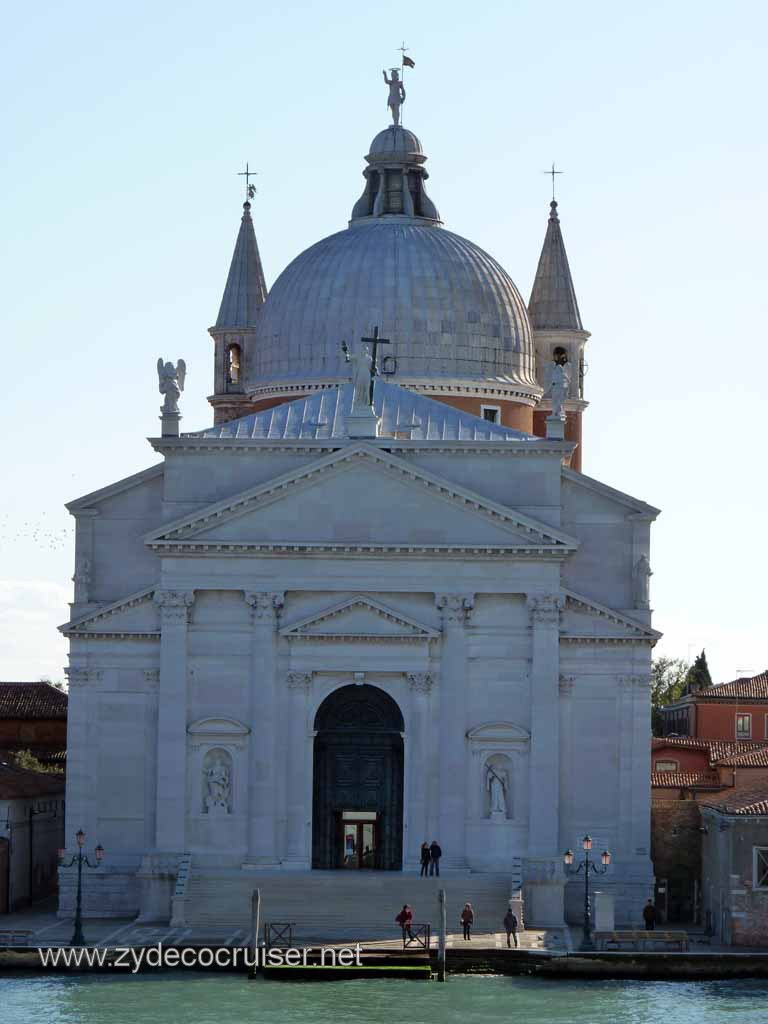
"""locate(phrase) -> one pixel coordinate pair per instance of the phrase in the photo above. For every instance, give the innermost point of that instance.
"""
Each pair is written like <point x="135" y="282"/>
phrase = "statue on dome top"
<point x="396" y="94"/>
<point x="171" y="383"/>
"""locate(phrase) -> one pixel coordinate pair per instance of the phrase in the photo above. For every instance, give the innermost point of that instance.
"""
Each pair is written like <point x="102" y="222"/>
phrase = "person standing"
<point x="467" y="920"/>
<point x="649" y="916"/>
<point x="510" y="927"/>
<point x="404" y="919"/>
<point x="435" y="853"/>
<point x="424" y="859"/>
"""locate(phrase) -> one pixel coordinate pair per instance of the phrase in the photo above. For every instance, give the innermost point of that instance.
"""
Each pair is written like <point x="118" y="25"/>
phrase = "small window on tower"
<point x="559" y="355"/>
<point x="492" y="413"/>
<point x="233" y="364"/>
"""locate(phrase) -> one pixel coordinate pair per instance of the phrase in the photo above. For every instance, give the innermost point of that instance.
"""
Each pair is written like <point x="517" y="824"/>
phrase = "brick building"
<point x="33" y="716"/>
<point x="730" y="711"/>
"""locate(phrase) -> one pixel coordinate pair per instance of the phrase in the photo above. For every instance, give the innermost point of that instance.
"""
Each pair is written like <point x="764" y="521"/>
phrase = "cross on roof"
<point x="403" y="50"/>
<point x="250" y="190"/>
<point x="374" y="342"/>
<point x="553" y="172"/>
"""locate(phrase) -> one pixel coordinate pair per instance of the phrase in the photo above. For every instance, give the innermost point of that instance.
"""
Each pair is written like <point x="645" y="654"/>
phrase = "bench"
<point x="14" y="937"/>
<point x="642" y="941"/>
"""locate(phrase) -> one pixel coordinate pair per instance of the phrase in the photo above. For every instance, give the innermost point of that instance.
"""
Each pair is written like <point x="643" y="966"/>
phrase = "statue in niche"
<point x="497" y="786"/>
<point x="642" y="582"/>
<point x="218" y="786"/>
<point x="558" y="385"/>
<point x="396" y="94"/>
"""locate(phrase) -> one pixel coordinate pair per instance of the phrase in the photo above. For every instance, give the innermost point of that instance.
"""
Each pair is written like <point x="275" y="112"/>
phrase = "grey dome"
<point x="450" y="310"/>
<point x="395" y="141"/>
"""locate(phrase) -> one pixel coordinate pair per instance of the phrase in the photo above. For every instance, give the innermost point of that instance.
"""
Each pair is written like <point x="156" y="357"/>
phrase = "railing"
<point x="278" y="933"/>
<point x="418" y="936"/>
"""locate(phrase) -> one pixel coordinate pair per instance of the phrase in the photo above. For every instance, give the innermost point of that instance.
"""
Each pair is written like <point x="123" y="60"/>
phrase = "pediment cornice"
<point x="83" y="626"/>
<point x="635" y="630"/>
<point x="328" y="624"/>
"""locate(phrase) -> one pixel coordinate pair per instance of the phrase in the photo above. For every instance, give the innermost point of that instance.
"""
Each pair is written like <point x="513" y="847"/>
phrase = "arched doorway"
<point x="357" y="801"/>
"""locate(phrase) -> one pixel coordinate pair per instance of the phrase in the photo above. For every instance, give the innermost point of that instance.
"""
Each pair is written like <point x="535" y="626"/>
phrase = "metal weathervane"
<point x="250" y="190"/>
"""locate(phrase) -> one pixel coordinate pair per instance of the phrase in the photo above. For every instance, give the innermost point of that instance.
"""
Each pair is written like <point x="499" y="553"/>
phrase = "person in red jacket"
<point x="404" y="919"/>
<point x="467" y="920"/>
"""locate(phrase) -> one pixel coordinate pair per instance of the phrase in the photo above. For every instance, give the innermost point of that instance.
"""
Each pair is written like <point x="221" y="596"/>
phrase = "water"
<point x="226" y="999"/>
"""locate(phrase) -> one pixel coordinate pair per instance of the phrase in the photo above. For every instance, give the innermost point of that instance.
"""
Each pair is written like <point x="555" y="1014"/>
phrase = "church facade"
<point x="376" y="603"/>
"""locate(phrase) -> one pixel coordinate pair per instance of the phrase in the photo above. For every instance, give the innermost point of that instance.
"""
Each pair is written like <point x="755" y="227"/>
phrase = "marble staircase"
<point x="342" y="906"/>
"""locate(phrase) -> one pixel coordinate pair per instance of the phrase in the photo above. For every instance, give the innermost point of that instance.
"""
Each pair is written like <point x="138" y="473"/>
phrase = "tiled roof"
<point x="748" y="759"/>
<point x="747" y="688"/>
<point x="403" y="413"/>
<point x="720" y="751"/>
<point x="685" y="780"/>
<point x="19" y="782"/>
<point x="553" y="302"/>
<point x="748" y="798"/>
<point x="32" y="700"/>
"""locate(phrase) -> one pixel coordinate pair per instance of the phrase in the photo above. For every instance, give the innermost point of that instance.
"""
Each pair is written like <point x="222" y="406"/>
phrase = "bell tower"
<point x="558" y="333"/>
<point x="234" y="333"/>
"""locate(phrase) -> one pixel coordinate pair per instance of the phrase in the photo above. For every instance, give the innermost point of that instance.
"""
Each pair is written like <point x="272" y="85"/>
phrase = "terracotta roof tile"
<point x="748" y="759"/>
<point x="685" y="780"/>
<point x="19" y="782"/>
<point x="32" y="700"/>
<point x="747" y="798"/>
<point x="755" y="687"/>
<point x="719" y="750"/>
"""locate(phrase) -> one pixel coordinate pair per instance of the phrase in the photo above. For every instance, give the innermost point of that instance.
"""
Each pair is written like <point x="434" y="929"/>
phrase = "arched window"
<point x="233" y="364"/>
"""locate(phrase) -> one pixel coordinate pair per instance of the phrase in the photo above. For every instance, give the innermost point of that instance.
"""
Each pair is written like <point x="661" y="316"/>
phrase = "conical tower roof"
<point x="553" y="304"/>
<point x="246" y="289"/>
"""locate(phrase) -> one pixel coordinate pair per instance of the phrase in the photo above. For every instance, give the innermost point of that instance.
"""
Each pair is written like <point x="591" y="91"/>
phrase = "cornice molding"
<point x="410" y="629"/>
<point x="75" y="626"/>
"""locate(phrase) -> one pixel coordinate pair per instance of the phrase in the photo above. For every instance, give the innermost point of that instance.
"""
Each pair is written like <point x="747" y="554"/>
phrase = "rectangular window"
<point x="760" y="867"/>
<point x="743" y="727"/>
<point x="667" y="766"/>
<point x="492" y="413"/>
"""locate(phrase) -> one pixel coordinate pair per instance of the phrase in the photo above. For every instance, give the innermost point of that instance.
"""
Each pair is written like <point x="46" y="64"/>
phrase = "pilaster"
<point x="420" y="685"/>
<point x="455" y="610"/>
<point x="298" y="685"/>
<point x="263" y="720"/>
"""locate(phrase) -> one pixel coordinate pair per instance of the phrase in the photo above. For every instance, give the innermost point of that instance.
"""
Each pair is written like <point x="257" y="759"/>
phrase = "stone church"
<point x="377" y="602"/>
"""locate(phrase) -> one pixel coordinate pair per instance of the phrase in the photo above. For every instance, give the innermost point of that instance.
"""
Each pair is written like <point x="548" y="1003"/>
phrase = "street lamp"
<point x="80" y="858"/>
<point x="586" y="865"/>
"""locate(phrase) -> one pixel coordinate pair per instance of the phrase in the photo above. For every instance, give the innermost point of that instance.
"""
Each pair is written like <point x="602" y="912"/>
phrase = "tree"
<point x="668" y="680"/>
<point x="698" y="677"/>
<point x="26" y="759"/>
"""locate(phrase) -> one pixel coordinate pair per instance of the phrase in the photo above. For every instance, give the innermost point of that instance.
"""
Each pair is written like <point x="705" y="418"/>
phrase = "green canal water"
<point x="211" y="999"/>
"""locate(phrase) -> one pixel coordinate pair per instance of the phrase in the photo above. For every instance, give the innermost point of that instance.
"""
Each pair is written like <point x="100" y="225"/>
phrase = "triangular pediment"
<point x="360" y="498"/>
<point x="361" y="618"/>
<point x="584" y="618"/>
<point x="134" y="615"/>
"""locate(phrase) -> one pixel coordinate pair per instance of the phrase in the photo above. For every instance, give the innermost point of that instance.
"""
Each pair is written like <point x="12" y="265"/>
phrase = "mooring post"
<point x="441" y="938"/>
<point x="255" y="910"/>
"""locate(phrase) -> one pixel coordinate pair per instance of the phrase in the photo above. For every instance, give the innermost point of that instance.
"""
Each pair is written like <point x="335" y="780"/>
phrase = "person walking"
<point x="424" y="859"/>
<point x="404" y="919"/>
<point x="510" y="927"/>
<point x="649" y="916"/>
<point x="467" y="920"/>
<point x="435" y="853"/>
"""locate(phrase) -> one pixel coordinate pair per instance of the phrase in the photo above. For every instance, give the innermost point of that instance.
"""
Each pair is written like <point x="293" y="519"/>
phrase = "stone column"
<point x="262" y="743"/>
<point x="170" y="831"/>
<point x="455" y="610"/>
<point x="297" y="852"/>
<point x="420" y="684"/>
<point x="544" y="871"/>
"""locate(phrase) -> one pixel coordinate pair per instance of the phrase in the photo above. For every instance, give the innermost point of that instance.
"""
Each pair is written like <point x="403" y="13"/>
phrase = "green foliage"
<point x="26" y="759"/>
<point x="698" y="675"/>
<point x="668" y="681"/>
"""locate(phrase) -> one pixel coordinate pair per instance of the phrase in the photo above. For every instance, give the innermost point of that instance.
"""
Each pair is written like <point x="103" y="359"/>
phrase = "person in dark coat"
<point x="424" y="859"/>
<point x="649" y="916"/>
<point x="404" y="919"/>
<point x="510" y="927"/>
<point x="435" y="853"/>
<point x="467" y="920"/>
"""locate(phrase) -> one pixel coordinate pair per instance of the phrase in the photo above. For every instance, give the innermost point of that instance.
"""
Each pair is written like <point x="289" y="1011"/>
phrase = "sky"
<point x="124" y="127"/>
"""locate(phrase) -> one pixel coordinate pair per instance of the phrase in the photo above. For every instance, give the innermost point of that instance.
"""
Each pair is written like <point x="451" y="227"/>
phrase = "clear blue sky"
<point x="124" y="127"/>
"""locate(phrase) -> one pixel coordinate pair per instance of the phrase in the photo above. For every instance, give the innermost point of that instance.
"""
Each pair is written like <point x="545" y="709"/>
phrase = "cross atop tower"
<point x="552" y="172"/>
<point x="250" y="190"/>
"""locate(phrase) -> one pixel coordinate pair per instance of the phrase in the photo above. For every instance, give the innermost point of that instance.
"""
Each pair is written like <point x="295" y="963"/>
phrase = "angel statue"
<point x="363" y="372"/>
<point x="171" y="383"/>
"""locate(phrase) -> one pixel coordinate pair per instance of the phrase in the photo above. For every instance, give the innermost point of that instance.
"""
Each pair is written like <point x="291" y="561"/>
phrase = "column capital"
<point x="266" y="605"/>
<point x="635" y="682"/>
<point x="421" y="682"/>
<point x="299" y="681"/>
<point x="545" y="608"/>
<point x="77" y="676"/>
<point x="174" y="605"/>
<point x="566" y="684"/>
<point x="455" y="608"/>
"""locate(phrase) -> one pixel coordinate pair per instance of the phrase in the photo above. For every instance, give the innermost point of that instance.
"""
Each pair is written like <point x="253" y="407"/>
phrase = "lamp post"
<point x="80" y="858"/>
<point x="586" y="865"/>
